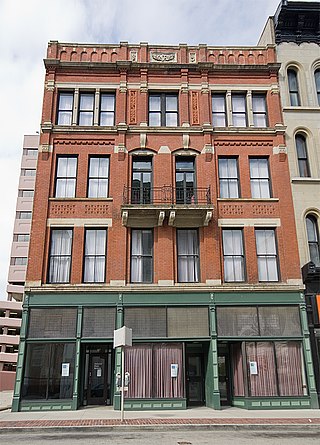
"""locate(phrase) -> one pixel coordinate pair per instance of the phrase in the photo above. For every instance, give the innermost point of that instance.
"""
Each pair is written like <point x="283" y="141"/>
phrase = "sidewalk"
<point x="196" y="417"/>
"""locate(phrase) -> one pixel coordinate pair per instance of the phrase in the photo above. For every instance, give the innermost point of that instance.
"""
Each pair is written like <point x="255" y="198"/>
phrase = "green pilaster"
<point x="21" y="355"/>
<point x="117" y="361"/>
<point x="308" y="358"/>
<point x="213" y="400"/>
<point x="76" y="389"/>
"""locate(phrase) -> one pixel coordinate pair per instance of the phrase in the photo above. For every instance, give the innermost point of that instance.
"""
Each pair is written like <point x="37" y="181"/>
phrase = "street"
<point x="146" y="437"/>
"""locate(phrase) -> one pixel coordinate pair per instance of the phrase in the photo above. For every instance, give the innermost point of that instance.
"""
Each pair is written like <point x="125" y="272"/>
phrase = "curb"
<point x="5" y="408"/>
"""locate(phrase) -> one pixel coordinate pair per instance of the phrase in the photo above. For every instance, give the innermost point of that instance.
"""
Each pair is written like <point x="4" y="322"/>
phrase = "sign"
<point x="253" y="368"/>
<point x="99" y="372"/>
<point x="65" y="369"/>
<point x="122" y="337"/>
<point x="174" y="369"/>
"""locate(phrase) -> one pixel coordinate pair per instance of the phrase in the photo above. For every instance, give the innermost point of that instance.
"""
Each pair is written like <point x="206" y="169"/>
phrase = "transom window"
<point x="302" y="155"/>
<point x="228" y="178"/>
<point x="233" y="255"/>
<point x="219" y="110"/>
<point x="313" y="239"/>
<point x="259" y="109"/>
<point x="86" y="109"/>
<point x="259" y="178"/>
<point x="98" y="179"/>
<point x="141" y="256"/>
<point x="188" y="255"/>
<point x="60" y="256"/>
<point x="163" y="110"/>
<point x="267" y="255"/>
<point x="95" y="256"/>
<point x="65" y="108"/>
<point x="293" y="87"/>
<point x="239" y="115"/>
<point x="66" y="177"/>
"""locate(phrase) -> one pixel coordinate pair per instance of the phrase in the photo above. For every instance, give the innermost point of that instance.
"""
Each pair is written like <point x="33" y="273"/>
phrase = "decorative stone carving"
<point x="185" y="141"/>
<point x="192" y="57"/>
<point x="163" y="57"/>
<point x="143" y="140"/>
<point x="172" y="217"/>
<point x="134" y="56"/>
<point x="208" y="218"/>
<point x="125" y="216"/>
<point x="133" y="107"/>
<point x="161" y="218"/>
<point x="195" y="107"/>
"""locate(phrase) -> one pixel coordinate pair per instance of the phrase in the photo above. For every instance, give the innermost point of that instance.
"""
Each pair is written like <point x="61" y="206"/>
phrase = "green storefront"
<point x="249" y="349"/>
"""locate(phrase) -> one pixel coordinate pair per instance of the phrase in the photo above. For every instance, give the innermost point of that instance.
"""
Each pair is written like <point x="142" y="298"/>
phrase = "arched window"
<point x="302" y="155"/>
<point x="317" y="80"/>
<point x="313" y="239"/>
<point x="293" y="87"/>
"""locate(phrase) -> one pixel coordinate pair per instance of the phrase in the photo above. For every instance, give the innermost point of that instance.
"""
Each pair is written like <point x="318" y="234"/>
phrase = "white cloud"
<point x="27" y="25"/>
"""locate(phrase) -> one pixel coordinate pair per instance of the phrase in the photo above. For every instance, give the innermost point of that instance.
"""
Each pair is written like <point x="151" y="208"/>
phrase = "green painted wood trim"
<point x="260" y="403"/>
<point x="76" y="378"/>
<point x="36" y="405"/>
<point x="117" y="356"/>
<point x="20" y="359"/>
<point x="153" y="404"/>
<point x="66" y="299"/>
<point x="252" y="298"/>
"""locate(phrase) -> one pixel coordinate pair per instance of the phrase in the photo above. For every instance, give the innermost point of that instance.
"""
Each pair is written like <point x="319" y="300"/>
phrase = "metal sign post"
<point x="122" y="338"/>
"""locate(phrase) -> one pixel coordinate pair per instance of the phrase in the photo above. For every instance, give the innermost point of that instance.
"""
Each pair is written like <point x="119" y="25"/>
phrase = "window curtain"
<point x="165" y="385"/>
<point x="65" y="109"/>
<point x="66" y="178"/>
<point x="228" y="174"/>
<point x="264" y="383"/>
<point x="138" y="362"/>
<point x="289" y="368"/>
<point x="259" y="178"/>
<point x="239" y="111"/>
<point x="86" y="109"/>
<point x="188" y="256"/>
<point x="238" y="382"/>
<point x="98" y="178"/>
<point x="233" y="255"/>
<point x="267" y="255"/>
<point x="60" y="256"/>
<point x="259" y="111"/>
<point x="95" y="256"/>
<point x="141" y="256"/>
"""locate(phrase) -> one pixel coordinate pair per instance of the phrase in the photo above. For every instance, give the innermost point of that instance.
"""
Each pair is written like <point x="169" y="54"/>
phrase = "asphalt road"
<point x="145" y="437"/>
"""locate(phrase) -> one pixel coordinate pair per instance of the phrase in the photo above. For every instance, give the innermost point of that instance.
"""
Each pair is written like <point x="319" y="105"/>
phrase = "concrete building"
<point x="163" y="203"/>
<point x="295" y="29"/>
<point x="10" y="310"/>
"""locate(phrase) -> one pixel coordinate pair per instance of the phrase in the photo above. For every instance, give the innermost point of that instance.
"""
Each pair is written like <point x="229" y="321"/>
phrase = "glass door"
<point x="141" y="180"/>
<point x="224" y="383"/>
<point x="195" y="379"/>
<point x="98" y="375"/>
<point x="185" y="181"/>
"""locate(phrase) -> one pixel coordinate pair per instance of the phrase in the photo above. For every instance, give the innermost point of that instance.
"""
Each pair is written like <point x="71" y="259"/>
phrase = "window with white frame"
<point x="259" y="109"/>
<point x="141" y="256"/>
<point x="313" y="239"/>
<point x="302" y="156"/>
<point x="239" y="110"/>
<point x="219" y="116"/>
<point x="95" y="256"/>
<point x="65" y="108"/>
<point x="98" y="179"/>
<point x="228" y="177"/>
<point x="86" y="109"/>
<point x="233" y="255"/>
<point x="188" y="255"/>
<point x="66" y="176"/>
<point x="267" y="255"/>
<point x="107" y="109"/>
<point x="259" y="178"/>
<point x="293" y="87"/>
<point x="60" y="256"/>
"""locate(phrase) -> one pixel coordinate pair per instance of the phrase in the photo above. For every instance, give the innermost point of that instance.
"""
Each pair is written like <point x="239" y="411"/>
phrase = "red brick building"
<point x="163" y="203"/>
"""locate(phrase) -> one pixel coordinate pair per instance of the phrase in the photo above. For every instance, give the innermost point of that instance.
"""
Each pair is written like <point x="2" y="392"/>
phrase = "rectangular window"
<point x="141" y="256"/>
<point x="163" y="110"/>
<point x="60" y="256"/>
<point x="24" y="215"/>
<point x="21" y="237"/>
<point x="26" y="193"/>
<point x="28" y="172"/>
<point x="188" y="255"/>
<point x="259" y="178"/>
<point x="19" y="261"/>
<point x="43" y="378"/>
<point x="86" y="109"/>
<point x="66" y="177"/>
<point x="95" y="256"/>
<point x="33" y="152"/>
<point x="219" y="118"/>
<point x="141" y="180"/>
<point x="267" y="255"/>
<point x="259" y="109"/>
<point x="229" y="178"/>
<point x="185" y="180"/>
<point x="233" y="255"/>
<point x="239" y="115"/>
<point x="107" y="109"/>
<point x="98" y="181"/>
<point x="65" y="108"/>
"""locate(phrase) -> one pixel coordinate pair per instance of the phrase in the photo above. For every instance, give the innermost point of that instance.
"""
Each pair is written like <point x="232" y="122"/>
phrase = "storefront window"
<point x="149" y="366"/>
<point x="49" y="371"/>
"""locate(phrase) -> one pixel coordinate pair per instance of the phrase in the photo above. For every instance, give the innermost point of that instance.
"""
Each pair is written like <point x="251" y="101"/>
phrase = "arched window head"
<point x="302" y="155"/>
<point x="313" y="239"/>
<point x="293" y="87"/>
<point x="317" y="80"/>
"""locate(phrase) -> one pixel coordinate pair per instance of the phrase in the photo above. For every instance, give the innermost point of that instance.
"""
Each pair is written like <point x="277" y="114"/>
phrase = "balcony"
<point x="179" y="207"/>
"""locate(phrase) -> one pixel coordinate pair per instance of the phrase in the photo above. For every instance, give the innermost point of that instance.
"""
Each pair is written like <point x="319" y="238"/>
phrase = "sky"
<point x="26" y="26"/>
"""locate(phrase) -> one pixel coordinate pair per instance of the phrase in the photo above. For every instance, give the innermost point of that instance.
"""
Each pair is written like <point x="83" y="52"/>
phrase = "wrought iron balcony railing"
<point x="166" y="194"/>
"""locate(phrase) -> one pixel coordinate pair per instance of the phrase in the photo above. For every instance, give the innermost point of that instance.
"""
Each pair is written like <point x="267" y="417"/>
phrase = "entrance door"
<point x="224" y="383"/>
<point x="99" y="376"/>
<point x="195" y="379"/>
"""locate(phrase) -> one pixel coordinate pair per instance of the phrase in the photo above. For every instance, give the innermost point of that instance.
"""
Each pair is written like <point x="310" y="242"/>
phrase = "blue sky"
<point x="27" y="25"/>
